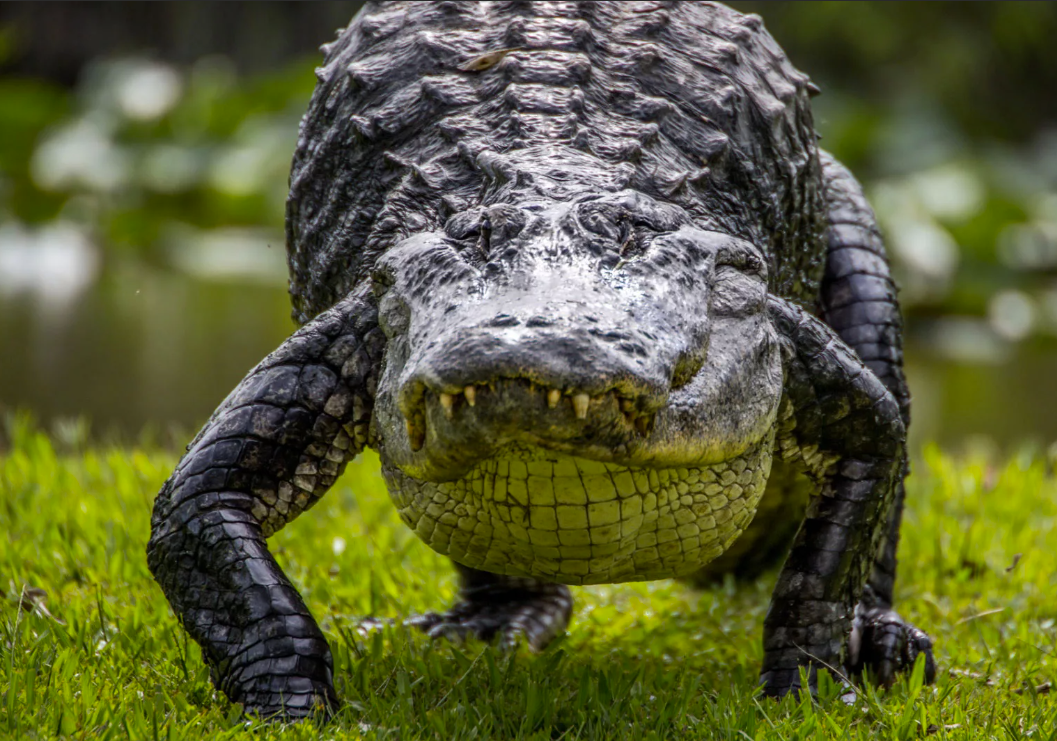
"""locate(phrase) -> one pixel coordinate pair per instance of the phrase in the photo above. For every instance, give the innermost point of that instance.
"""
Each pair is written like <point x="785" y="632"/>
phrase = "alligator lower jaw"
<point x="530" y="511"/>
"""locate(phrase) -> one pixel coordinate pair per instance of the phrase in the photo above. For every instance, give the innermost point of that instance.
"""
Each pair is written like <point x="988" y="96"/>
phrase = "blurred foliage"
<point x="141" y="152"/>
<point x="989" y="67"/>
<point x="944" y="110"/>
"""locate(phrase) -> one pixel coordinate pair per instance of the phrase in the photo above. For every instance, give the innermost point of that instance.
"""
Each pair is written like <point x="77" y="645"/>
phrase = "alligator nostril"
<point x="538" y="321"/>
<point x="505" y="320"/>
<point x="633" y="348"/>
<point x="612" y="335"/>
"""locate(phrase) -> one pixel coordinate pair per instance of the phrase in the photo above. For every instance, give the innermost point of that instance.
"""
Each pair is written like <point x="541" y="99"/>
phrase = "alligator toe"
<point x="506" y="616"/>
<point x="883" y="644"/>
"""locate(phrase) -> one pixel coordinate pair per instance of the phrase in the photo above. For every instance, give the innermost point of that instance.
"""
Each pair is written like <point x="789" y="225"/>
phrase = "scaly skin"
<point x="840" y="411"/>
<point x="269" y="452"/>
<point x="576" y="521"/>
<point x="509" y="608"/>
<point x="580" y="275"/>
<point x="858" y="299"/>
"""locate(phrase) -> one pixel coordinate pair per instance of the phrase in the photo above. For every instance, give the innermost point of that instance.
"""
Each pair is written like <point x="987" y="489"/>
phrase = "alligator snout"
<point x="566" y="382"/>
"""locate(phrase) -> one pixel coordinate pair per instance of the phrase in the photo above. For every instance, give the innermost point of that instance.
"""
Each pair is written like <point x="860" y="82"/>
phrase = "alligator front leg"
<point x="274" y="446"/>
<point x="858" y="299"/>
<point x="845" y="428"/>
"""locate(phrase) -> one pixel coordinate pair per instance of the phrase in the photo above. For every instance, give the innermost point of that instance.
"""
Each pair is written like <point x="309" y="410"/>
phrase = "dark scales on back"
<point x="580" y="275"/>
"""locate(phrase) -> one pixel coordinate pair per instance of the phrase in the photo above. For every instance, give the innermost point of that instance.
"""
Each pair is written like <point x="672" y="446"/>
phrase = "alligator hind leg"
<point x="858" y="299"/>
<point x="507" y="608"/>
<point x="274" y="446"/>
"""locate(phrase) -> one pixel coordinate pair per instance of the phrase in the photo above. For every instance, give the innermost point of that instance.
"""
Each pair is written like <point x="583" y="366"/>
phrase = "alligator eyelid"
<point x="742" y="260"/>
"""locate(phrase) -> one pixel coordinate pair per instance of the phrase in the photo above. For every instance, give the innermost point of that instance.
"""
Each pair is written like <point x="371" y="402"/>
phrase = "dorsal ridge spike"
<point x="752" y="21"/>
<point x="495" y="166"/>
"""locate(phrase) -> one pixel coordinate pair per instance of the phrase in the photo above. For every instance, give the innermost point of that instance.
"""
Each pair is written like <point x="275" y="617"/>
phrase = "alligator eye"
<point x="742" y="259"/>
<point x="629" y="239"/>
<point x="636" y="237"/>
<point x="602" y="220"/>
<point x="463" y="225"/>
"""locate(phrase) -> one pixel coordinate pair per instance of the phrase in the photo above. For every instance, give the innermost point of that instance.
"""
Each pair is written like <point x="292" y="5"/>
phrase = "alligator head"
<point x="573" y="315"/>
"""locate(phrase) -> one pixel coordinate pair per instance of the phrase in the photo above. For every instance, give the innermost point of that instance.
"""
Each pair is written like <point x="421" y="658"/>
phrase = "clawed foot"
<point x="782" y="682"/>
<point x="883" y="644"/>
<point x="269" y="693"/>
<point x="284" y="674"/>
<point x="534" y="615"/>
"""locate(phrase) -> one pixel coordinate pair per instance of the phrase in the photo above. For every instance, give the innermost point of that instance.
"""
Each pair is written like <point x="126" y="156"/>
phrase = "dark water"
<point x="141" y="345"/>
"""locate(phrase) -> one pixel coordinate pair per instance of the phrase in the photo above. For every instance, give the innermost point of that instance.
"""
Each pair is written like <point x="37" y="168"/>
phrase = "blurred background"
<point x="145" y="150"/>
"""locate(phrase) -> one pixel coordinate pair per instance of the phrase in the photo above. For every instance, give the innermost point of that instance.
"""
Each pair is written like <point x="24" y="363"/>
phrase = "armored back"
<point x="426" y="109"/>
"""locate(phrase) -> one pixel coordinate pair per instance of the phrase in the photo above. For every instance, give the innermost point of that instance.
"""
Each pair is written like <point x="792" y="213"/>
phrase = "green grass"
<point x="103" y="657"/>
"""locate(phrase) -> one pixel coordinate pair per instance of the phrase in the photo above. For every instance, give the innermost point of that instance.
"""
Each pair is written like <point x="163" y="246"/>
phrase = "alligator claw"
<point x="883" y="644"/>
<point x="778" y="683"/>
<point x="506" y="615"/>
<point x="286" y="698"/>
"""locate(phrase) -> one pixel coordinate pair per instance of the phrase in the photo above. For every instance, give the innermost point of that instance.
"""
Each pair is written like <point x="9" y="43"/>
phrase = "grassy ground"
<point x="99" y="655"/>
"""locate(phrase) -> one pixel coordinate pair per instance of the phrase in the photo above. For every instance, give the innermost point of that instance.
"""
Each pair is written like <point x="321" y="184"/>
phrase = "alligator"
<point x="582" y="277"/>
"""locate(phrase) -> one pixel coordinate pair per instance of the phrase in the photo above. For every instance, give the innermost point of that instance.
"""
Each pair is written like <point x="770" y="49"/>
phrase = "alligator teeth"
<point x="446" y="402"/>
<point x="643" y="425"/>
<point x="552" y="398"/>
<point x="471" y="395"/>
<point x="416" y="436"/>
<point x="580" y="403"/>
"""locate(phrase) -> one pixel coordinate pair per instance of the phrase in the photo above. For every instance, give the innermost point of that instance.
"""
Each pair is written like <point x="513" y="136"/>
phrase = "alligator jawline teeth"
<point x="416" y="432"/>
<point x="580" y="402"/>
<point x="447" y="402"/>
<point x="553" y="396"/>
<point x="580" y="405"/>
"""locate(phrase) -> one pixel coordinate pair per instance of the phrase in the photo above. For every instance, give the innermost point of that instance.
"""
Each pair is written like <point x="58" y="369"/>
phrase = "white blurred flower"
<point x="925" y="247"/>
<point x="951" y="191"/>
<point x="258" y="162"/>
<point x="80" y="153"/>
<point x="227" y="253"/>
<point x="57" y="262"/>
<point x="1011" y="314"/>
<point x="168" y="168"/>
<point x="1028" y="246"/>
<point x="145" y="90"/>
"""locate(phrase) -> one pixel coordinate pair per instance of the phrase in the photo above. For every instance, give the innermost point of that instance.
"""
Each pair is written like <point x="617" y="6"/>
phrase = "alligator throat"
<point x="534" y="512"/>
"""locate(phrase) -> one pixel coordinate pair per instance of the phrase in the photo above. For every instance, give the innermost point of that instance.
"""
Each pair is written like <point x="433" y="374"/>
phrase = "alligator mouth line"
<point x="638" y="420"/>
